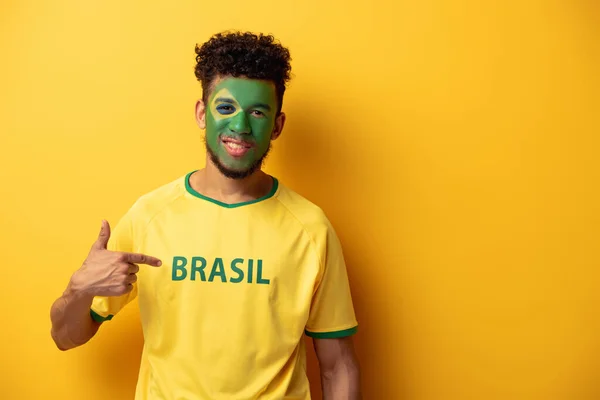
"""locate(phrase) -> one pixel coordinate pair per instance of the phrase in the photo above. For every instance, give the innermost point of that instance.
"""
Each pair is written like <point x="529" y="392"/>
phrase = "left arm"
<point x="340" y="372"/>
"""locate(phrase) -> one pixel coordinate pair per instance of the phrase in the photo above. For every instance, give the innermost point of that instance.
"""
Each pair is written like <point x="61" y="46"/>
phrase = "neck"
<point x="212" y="183"/>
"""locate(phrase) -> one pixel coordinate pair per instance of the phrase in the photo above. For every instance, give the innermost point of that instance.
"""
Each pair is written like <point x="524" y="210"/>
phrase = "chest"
<point x="249" y="260"/>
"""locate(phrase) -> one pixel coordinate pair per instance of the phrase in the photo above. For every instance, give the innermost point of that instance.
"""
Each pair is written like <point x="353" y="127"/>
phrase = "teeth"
<point x="234" y="146"/>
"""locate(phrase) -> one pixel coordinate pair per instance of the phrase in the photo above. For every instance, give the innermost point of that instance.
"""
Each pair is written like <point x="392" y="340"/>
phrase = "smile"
<point x="236" y="148"/>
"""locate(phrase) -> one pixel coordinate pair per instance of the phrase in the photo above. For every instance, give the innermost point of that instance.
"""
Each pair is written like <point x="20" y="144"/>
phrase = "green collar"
<point x="190" y="190"/>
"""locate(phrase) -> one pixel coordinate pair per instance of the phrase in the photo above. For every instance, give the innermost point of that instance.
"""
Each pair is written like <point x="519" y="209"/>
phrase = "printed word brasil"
<point x="238" y="271"/>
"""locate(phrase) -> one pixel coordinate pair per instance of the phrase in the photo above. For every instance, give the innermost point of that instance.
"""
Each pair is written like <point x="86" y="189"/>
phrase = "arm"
<point x="72" y="324"/>
<point x="103" y="273"/>
<point x="340" y="372"/>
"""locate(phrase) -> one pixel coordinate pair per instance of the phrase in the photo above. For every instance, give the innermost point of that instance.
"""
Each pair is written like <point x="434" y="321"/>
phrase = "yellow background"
<point x="453" y="144"/>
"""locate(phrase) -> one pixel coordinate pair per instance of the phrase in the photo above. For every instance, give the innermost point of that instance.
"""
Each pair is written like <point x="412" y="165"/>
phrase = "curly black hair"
<point x="243" y="54"/>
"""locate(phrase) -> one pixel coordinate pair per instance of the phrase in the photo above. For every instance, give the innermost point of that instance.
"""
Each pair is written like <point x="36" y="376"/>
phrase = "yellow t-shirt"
<point x="224" y="316"/>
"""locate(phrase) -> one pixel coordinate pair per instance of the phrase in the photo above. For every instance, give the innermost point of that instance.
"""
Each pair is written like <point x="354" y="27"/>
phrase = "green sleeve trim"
<point x="332" y="335"/>
<point x="99" y="318"/>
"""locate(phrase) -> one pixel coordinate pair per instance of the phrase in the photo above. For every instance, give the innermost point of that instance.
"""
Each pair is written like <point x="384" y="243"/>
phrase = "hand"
<point x="109" y="273"/>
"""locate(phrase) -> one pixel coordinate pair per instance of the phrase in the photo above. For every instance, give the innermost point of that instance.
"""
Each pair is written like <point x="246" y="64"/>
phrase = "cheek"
<point x="214" y="126"/>
<point x="262" y="129"/>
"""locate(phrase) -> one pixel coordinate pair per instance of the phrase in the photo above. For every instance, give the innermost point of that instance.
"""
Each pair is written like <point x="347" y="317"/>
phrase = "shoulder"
<point x="310" y="215"/>
<point x="156" y="200"/>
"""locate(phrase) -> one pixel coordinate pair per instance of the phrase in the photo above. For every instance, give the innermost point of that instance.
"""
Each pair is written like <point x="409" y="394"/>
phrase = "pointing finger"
<point x="142" y="259"/>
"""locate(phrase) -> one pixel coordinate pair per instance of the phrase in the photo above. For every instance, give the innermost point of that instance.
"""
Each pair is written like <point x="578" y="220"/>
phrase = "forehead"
<point x="244" y="90"/>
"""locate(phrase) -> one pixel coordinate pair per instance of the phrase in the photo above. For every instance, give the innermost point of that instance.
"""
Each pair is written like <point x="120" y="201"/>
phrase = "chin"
<point x="235" y="173"/>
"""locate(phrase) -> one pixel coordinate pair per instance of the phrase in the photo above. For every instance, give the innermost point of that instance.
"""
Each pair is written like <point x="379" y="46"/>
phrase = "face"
<point x="240" y="120"/>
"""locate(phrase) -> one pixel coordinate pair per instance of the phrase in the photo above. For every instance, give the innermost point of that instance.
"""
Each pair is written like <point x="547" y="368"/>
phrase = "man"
<point x="230" y="267"/>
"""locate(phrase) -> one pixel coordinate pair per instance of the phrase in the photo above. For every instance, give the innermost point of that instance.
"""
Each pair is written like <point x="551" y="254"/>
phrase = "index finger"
<point x="142" y="259"/>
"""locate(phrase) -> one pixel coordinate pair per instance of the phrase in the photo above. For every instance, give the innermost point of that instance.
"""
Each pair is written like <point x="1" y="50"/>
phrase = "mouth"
<point x="236" y="147"/>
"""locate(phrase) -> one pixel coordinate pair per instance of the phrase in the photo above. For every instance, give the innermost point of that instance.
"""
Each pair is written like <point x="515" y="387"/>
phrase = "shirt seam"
<point x="179" y="196"/>
<point x="331" y="330"/>
<point x="311" y="240"/>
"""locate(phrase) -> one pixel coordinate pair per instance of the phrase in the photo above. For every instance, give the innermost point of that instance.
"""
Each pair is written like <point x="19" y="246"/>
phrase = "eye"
<point x="258" y="113"/>
<point x="225" y="109"/>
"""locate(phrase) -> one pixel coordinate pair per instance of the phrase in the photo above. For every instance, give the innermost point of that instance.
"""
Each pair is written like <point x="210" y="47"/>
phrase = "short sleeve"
<point x="121" y="239"/>
<point x="332" y="311"/>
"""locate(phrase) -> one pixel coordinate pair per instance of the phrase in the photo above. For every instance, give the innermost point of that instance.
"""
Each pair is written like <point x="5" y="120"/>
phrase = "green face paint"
<point x="240" y="117"/>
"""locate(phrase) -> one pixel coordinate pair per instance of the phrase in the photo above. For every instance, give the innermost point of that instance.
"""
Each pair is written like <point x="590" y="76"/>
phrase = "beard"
<point x="232" y="173"/>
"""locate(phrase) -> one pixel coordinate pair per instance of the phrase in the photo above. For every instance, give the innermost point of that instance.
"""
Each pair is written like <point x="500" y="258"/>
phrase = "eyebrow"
<point x="231" y="101"/>
<point x="225" y="100"/>
<point x="263" y="105"/>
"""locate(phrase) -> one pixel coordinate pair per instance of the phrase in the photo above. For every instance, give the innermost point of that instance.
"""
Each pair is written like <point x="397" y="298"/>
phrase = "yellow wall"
<point x="453" y="145"/>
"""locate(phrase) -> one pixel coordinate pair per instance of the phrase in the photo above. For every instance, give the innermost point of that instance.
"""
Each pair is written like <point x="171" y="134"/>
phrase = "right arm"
<point x="103" y="273"/>
<point x="72" y="323"/>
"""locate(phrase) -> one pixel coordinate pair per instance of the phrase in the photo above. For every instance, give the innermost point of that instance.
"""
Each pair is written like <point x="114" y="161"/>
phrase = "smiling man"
<point x="230" y="267"/>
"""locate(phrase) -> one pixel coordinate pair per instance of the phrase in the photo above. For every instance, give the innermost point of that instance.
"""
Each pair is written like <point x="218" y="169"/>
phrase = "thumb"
<point x="103" y="236"/>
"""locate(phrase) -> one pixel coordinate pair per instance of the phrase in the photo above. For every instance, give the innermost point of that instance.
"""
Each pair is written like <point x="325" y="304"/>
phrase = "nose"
<point x="239" y="124"/>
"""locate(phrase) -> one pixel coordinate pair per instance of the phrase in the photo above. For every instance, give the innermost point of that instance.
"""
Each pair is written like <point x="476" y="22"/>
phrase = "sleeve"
<point x="332" y="312"/>
<point x="104" y="308"/>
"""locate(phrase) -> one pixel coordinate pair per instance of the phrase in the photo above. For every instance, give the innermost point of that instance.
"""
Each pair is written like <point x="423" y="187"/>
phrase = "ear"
<point x="278" y="128"/>
<point x="200" y="114"/>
